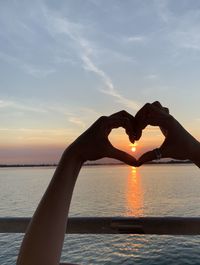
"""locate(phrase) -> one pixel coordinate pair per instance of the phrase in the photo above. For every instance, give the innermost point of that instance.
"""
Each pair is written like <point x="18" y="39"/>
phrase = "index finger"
<point x="141" y="120"/>
<point x="150" y="114"/>
<point x="147" y="157"/>
<point x="125" y="120"/>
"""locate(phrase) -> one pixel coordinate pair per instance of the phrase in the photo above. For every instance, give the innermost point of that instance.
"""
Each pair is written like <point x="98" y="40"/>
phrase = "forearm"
<point x="189" y="146"/>
<point x="43" y="241"/>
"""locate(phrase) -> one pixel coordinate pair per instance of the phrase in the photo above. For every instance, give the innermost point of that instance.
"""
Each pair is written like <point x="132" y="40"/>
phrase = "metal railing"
<point x="115" y="225"/>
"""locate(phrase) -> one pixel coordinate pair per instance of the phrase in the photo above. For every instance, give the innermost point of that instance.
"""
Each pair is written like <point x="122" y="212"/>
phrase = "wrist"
<point x="194" y="152"/>
<point x="72" y="153"/>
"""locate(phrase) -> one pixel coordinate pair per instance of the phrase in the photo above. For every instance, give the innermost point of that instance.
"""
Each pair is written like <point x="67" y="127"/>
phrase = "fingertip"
<point x="131" y="161"/>
<point x="166" y="110"/>
<point x="139" y="163"/>
<point x="135" y="163"/>
<point x="147" y="157"/>
<point x="137" y="135"/>
<point x="122" y="156"/>
<point x="132" y="139"/>
<point x="137" y="132"/>
<point x="157" y="104"/>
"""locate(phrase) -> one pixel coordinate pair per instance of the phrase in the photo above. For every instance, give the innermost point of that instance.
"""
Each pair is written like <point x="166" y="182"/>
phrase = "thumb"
<point x="122" y="156"/>
<point x="147" y="157"/>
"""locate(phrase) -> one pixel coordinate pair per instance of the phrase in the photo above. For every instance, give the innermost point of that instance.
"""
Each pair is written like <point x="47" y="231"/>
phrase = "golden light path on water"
<point x="134" y="193"/>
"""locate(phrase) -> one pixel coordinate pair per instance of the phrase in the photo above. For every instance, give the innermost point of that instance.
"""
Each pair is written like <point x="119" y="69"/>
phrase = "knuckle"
<point x="142" y="111"/>
<point x="147" y="105"/>
<point x="156" y="102"/>
<point x="102" y="119"/>
<point x="166" y="110"/>
<point x="123" y="112"/>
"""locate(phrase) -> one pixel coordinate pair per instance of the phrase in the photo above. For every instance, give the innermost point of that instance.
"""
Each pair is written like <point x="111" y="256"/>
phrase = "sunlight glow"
<point x="133" y="149"/>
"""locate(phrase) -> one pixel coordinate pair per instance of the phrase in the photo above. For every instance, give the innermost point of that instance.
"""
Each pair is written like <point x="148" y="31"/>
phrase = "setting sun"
<point x="133" y="149"/>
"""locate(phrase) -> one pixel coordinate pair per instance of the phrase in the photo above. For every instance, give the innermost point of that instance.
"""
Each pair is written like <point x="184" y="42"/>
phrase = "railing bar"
<point x="115" y="225"/>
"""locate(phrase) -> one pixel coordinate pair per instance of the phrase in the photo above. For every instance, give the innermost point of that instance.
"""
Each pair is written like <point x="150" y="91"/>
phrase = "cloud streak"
<point x="181" y="29"/>
<point x="20" y="106"/>
<point x="28" y="68"/>
<point x="135" y="39"/>
<point x="86" y="52"/>
<point x="77" y="122"/>
<point x="110" y="89"/>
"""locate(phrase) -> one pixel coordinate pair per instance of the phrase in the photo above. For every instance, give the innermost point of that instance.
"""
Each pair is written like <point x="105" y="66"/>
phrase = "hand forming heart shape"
<point x="178" y="143"/>
<point x="94" y="144"/>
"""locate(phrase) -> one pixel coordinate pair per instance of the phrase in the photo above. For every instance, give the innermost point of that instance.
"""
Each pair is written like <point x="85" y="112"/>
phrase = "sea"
<point x="107" y="190"/>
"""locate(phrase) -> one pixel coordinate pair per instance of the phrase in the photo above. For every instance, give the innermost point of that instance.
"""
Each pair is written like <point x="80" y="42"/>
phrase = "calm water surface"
<point x="163" y="190"/>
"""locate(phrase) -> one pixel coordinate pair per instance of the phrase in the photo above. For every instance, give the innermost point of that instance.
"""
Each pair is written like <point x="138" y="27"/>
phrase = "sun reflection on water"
<point x="134" y="193"/>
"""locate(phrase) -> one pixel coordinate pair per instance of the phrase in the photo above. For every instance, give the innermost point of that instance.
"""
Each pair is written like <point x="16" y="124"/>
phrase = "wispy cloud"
<point x="71" y="116"/>
<point x="20" y="106"/>
<point x="86" y="51"/>
<point x="188" y="38"/>
<point x="77" y="121"/>
<point x="34" y="70"/>
<point x="161" y="6"/>
<point x="56" y="26"/>
<point x="110" y="89"/>
<point x="24" y="43"/>
<point x="29" y="135"/>
<point x="156" y="91"/>
<point x="152" y="76"/>
<point x="180" y="28"/>
<point x="135" y="39"/>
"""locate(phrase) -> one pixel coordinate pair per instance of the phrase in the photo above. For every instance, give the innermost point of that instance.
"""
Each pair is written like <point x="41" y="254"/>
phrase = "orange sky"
<point x="151" y="138"/>
<point x="46" y="146"/>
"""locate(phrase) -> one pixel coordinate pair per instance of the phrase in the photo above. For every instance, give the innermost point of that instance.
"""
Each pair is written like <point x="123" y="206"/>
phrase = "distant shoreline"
<point x="171" y="162"/>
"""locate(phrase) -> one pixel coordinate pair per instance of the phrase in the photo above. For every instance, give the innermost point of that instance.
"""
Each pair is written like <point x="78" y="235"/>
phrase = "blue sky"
<point x="65" y="63"/>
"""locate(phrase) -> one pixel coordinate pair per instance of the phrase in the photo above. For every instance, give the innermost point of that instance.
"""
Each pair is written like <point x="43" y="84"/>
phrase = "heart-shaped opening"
<point x="151" y="138"/>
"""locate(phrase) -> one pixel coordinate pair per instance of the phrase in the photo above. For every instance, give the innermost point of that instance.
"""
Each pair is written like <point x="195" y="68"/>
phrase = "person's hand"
<point x="178" y="143"/>
<point x="93" y="144"/>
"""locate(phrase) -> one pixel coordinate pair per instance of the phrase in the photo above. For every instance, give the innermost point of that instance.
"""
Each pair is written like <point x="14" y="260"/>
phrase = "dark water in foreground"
<point x="165" y="190"/>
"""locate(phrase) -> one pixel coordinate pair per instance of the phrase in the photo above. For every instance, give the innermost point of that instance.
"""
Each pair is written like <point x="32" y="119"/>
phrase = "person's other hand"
<point x="178" y="143"/>
<point x="93" y="144"/>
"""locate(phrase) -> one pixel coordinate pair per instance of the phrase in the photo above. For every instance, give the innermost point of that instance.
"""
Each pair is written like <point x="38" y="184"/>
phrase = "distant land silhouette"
<point x="98" y="164"/>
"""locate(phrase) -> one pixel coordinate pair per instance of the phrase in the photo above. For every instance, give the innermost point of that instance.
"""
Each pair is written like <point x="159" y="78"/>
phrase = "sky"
<point x="65" y="63"/>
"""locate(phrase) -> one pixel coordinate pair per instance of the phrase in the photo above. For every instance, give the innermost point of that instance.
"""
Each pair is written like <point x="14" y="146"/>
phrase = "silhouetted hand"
<point x="178" y="143"/>
<point x="93" y="144"/>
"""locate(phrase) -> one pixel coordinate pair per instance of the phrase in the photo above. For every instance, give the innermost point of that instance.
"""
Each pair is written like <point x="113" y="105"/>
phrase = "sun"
<point x="133" y="149"/>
